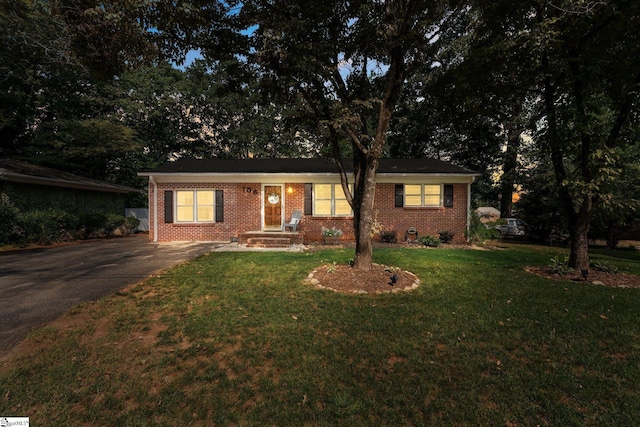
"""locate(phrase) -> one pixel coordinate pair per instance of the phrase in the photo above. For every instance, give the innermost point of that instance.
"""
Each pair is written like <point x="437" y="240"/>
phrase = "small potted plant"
<point x="331" y="235"/>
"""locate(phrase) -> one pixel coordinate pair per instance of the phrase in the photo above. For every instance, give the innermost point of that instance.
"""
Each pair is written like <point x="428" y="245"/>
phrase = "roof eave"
<point x="29" y="179"/>
<point x="384" y="177"/>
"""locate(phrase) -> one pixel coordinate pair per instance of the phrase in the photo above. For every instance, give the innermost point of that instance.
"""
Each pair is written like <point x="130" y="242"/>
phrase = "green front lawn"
<point x="237" y="339"/>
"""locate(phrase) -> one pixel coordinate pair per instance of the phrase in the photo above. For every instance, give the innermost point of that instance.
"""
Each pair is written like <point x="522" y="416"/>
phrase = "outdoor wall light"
<point x="289" y="190"/>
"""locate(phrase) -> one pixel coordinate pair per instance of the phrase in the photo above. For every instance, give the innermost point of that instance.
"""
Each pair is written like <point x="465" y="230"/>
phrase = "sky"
<point x="192" y="55"/>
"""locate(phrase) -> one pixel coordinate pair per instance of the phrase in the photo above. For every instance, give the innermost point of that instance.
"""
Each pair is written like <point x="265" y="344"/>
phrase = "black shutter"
<point x="168" y="206"/>
<point x="399" y="195"/>
<point x="448" y="195"/>
<point x="219" y="206"/>
<point x="308" y="199"/>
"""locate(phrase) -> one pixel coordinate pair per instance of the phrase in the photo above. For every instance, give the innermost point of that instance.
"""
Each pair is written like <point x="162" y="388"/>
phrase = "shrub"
<point x="113" y="221"/>
<point x="477" y="232"/>
<point x="127" y="225"/>
<point x="332" y="268"/>
<point x="560" y="268"/>
<point x="388" y="236"/>
<point x="66" y="221"/>
<point x="93" y="222"/>
<point x="446" y="236"/>
<point x="9" y="230"/>
<point x="55" y="225"/>
<point x="430" y="241"/>
<point x="330" y="232"/>
<point x="131" y="223"/>
<point x="39" y="227"/>
<point x="605" y="268"/>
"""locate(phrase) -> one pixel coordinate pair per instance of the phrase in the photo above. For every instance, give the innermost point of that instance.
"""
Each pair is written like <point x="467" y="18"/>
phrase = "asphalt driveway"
<point x="36" y="286"/>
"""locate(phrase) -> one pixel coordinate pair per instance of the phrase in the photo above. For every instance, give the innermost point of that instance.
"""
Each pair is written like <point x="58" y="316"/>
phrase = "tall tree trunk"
<point x="579" y="228"/>
<point x="578" y="221"/>
<point x="579" y="236"/>
<point x="364" y="193"/>
<point x="366" y="155"/>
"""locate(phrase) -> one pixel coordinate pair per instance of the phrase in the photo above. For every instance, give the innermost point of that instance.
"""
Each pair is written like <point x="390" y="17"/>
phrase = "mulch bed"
<point x="595" y="277"/>
<point x="343" y="278"/>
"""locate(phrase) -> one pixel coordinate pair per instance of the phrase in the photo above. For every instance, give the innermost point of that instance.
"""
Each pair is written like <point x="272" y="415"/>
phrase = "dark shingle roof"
<point x="16" y="171"/>
<point x="393" y="166"/>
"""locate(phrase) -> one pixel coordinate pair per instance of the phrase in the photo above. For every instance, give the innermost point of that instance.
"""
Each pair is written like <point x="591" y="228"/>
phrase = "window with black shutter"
<point x="399" y="191"/>
<point x="219" y="206"/>
<point x="448" y="195"/>
<point x="308" y="199"/>
<point x="168" y="206"/>
<point x="194" y="206"/>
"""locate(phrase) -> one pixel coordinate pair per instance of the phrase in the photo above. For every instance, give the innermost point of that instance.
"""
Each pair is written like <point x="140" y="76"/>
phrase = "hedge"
<point x="46" y="226"/>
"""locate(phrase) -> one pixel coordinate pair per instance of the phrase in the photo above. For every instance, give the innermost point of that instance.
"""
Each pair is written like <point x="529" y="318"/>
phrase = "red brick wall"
<point x="242" y="213"/>
<point x="427" y="221"/>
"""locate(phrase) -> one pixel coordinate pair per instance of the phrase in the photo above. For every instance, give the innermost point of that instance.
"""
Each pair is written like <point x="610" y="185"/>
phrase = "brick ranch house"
<point x="229" y="200"/>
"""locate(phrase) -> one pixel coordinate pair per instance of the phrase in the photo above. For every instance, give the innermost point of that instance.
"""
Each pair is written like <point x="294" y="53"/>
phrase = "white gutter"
<point x="155" y="208"/>
<point x="277" y="178"/>
<point x="468" y="209"/>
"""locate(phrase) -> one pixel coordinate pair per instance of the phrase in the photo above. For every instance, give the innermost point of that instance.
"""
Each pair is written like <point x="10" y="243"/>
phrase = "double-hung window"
<point x="330" y="200"/>
<point x="422" y="195"/>
<point x="195" y="206"/>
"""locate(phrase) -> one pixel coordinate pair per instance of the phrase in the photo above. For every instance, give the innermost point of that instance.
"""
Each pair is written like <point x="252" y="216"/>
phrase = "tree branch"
<point x="624" y="111"/>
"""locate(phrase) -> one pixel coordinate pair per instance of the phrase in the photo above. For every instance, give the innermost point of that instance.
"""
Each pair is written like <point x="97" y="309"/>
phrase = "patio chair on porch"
<point x="296" y="217"/>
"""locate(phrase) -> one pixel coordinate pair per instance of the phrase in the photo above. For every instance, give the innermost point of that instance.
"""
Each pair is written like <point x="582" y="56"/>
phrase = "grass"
<point x="236" y="339"/>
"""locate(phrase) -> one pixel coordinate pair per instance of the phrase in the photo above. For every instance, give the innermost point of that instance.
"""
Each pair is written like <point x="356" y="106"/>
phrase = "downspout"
<point x="155" y="208"/>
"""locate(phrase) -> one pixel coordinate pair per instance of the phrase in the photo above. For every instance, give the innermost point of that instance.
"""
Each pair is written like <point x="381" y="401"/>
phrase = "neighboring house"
<point x="30" y="187"/>
<point x="225" y="200"/>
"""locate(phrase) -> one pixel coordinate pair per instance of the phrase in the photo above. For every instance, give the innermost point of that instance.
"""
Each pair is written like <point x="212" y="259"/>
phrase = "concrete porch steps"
<point x="270" y="239"/>
<point x="268" y="242"/>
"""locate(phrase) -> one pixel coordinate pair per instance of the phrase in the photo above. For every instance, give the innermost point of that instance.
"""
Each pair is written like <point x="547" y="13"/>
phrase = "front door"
<point x="272" y="207"/>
